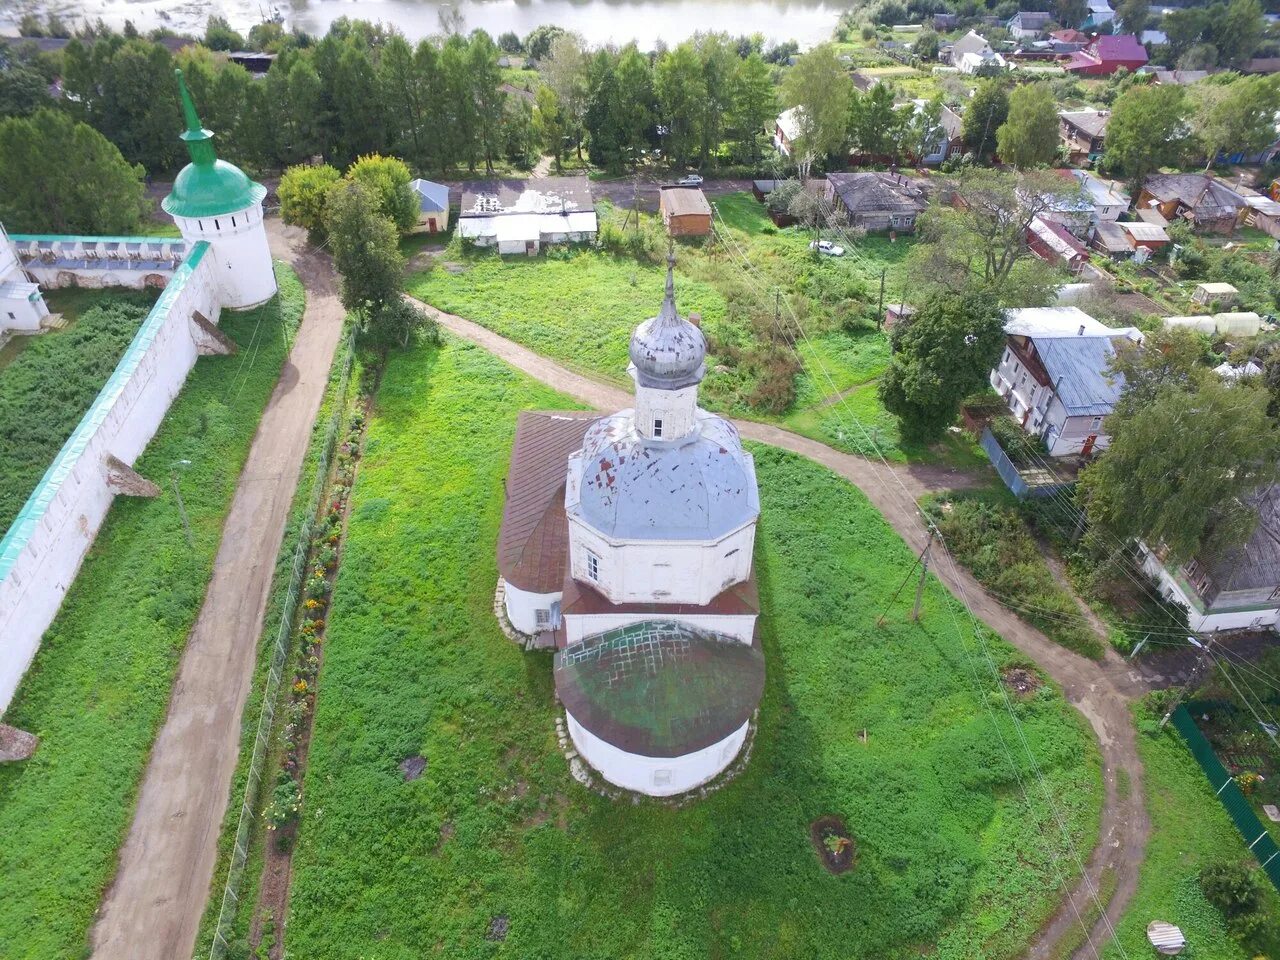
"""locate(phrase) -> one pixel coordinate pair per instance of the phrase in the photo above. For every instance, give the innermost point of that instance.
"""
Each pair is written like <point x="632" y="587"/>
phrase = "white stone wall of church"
<point x="523" y="606"/>
<point x="33" y="589"/>
<point x="661" y="571"/>
<point x="52" y="277"/>
<point x="655" y="776"/>
<point x="579" y="626"/>
<point x="241" y="254"/>
<point x="675" y="408"/>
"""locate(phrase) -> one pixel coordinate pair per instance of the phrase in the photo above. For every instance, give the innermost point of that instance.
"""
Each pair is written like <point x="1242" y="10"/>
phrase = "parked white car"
<point x="827" y="247"/>
<point x="692" y="180"/>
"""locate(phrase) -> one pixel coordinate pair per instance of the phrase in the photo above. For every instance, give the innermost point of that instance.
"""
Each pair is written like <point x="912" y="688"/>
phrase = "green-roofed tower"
<point x="216" y="201"/>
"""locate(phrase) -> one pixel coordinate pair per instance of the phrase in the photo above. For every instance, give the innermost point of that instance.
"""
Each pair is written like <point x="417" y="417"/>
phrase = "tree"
<point x="366" y="250"/>
<point x="875" y="123"/>
<point x="538" y="43"/>
<point x="1180" y="470"/>
<point x="485" y="81"/>
<point x="1029" y="136"/>
<point x="303" y="192"/>
<point x="218" y="35"/>
<point x="942" y="356"/>
<point x="1184" y="29"/>
<point x="548" y="123"/>
<point x="1133" y="15"/>
<point x="1172" y="357"/>
<point x="923" y="132"/>
<point x="386" y="180"/>
<point x="60" y="176"/>
<point x="926" y="45"/>
<point x="820" y="88"/>
<point x="565" y="72"/>
<point x="987" y="111"/>
<point x="1070" y="13"/>
<point x="509" y="42"/>
<point x="1238" y="31"/>
<point x="1238" y="117"/>
<point x="1146" y="130"/>
<point x="681" y="89"/>
<point x="24" y="89"/>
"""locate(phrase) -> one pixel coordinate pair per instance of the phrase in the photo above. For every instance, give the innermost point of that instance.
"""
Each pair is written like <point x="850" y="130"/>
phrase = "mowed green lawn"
<point x="952" y="858"/>
<point x="97" y="691"/>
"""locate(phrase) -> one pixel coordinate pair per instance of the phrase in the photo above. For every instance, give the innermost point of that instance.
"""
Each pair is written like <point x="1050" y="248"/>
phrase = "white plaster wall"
<point x="675" y="408"/>
<point x="51" y="277"/>
<point x="643" y="774"/>
<point x="20" y="315"/>
<point x="523" y="606"/>
<point x="242" y="258"/>
<point x="661" y="571"/>
<point x="580" y="626"/>
<point x="33" y="589"/>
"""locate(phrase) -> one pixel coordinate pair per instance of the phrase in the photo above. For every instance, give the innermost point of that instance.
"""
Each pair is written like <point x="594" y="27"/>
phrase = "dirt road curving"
<point x="1102" y="692"/>
<point x="152" y="911"/>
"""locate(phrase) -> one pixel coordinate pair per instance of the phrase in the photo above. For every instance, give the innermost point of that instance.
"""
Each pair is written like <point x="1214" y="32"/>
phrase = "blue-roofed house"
<point x="1054" y="376"/>
<point x="433" y="206"/>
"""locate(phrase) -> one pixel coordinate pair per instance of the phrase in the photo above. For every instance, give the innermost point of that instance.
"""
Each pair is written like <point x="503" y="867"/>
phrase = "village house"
<point x="1072" y="37"/>
<point x="1055" y="244"/>
<point x="433" y="206"/>
<point x="626" y="544"/>
<point x="972" y="54"/>
<point x="1106" y="54"/>
<point x="1028" y="25"/>
<point x="1083" y="132"/>
<point x="1235" y="590"/>
<point x="1260" y="212"/>
<point x="1107" y="200"/>
<point x="787" y="130"/>
<point x="1179" y="78"/>
<point x="878" y="201"/>
<point x="685" y="211"/>
<point x="1054" y="376"/>
<point x="519" y="216"/>
<point x="950" y="137"/>
<point x="1100" y="12"/>
<point x="1109" y="239"/>
<point x="1197" y="198"/>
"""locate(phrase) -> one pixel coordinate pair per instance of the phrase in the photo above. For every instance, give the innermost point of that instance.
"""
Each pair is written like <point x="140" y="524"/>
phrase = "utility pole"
<point x="880" y="311"/>
<point x="924" y="572"/>
<point x="1205" y="655"/>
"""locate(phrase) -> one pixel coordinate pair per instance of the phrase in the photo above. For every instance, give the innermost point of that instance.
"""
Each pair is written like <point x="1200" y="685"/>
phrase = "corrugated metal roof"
<point x="1077" y="366"/>
<point x="1145" y="232"/>
<point x="432" y="197"/>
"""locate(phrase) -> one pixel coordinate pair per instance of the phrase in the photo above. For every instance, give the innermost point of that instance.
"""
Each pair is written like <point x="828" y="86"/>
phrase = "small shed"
<point x="685" y="211"/>
<point x="1111" y="240"/>
<point x="1149" y="235"/>
<point x="433" y="206"/>
<point x="1223" y="293"/>
<point x="895" y="313"/>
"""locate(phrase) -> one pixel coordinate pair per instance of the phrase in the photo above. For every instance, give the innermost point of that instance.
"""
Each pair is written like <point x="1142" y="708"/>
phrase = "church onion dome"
<point x="698" y="488"/>
<point x="207" y="186"/>
<point x="667" y="351"/>
<point x="660" y="688"/>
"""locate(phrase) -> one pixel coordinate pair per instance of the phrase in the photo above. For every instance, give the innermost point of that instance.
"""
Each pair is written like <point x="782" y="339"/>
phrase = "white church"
<point x="222" y="260"/>
<point x="626" y="543"/>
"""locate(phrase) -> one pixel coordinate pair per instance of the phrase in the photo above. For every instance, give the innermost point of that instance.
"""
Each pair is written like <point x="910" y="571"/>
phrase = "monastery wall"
<point x="43" y="549"/>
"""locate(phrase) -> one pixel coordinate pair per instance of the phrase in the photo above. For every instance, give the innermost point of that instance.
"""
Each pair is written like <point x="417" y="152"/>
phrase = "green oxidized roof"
<point x="207" y="186"/>
<point x="660" y="688"/>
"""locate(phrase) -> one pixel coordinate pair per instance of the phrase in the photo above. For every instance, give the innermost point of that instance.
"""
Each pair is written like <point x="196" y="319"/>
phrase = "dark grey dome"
<point x="667" y="351"/>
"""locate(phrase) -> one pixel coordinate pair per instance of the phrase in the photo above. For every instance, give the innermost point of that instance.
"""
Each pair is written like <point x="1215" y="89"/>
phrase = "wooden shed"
<point x="685" y="211"/>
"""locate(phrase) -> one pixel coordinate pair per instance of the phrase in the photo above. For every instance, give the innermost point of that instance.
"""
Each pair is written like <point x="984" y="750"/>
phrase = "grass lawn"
<point x="98" y="689"/>
<point x="949" y="852"/>
<point x="1189" y="830"/>
<point x="47" y="386"/>
<point x="579" y="307"/>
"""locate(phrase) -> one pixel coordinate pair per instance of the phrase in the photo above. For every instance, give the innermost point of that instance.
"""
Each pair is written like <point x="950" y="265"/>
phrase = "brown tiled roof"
<point x="533" y="543"/>
<point x="740" y="599"/>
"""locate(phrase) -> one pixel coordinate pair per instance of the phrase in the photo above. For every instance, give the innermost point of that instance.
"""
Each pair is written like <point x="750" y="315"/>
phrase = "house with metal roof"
<point x="685" y="211"/>
<point x="1106" y="54"/>
<point x="1028" y="24"/>
<point x="519" y="216"/>
<point x="433" y="206"/>
<point x="1233" y="589"/>
<point x="1054" y="375"/>
<point x="1199" y="199"/>
<point x="626" y="544"/>
<point x="875" y="200"/>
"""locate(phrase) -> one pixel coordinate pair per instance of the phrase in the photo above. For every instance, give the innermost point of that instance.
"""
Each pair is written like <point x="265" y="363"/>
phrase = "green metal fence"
<point x="279" y="653"/>
<point x="1256" y="838"/>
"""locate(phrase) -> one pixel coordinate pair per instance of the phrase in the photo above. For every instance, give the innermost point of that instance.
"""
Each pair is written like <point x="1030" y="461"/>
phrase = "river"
<point x="599" y="21"/>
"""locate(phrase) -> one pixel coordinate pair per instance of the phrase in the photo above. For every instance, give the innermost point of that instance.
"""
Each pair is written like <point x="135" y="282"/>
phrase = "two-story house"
<point x="1054" y="376"/>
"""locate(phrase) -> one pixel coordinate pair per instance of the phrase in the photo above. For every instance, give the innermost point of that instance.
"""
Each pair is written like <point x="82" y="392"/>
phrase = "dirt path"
<point x="152" y="911"/>
<point x="1102" y="692"/>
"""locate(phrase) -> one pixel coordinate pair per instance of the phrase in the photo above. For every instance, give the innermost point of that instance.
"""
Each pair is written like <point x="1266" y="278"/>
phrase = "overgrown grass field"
<point x="952" y="858"/>
<point x="97" y="691"/>
<point x="47" y="387"/>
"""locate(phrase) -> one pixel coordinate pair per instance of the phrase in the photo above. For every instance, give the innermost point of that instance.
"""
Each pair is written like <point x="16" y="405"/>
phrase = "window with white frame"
<point x="593" y="566"/>
<point x="1095" y="425"/>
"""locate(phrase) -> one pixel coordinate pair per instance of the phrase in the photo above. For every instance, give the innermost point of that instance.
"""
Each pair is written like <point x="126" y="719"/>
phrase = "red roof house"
<point x="1107" y="54"/>
<point x="1054" y="243"/>
<point x="1069" y="36"/>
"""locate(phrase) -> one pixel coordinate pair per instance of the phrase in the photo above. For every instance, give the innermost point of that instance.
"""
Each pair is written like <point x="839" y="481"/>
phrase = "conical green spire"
<point x="199" y="140"/>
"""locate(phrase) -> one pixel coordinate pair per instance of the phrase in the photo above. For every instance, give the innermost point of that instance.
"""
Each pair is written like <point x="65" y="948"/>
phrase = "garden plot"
<point x="495" y="851"/>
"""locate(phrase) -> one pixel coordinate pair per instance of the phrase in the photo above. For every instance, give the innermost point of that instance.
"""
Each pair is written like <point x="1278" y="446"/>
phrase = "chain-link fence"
<point x="1256" y="838"/>
<point x="279" y="655"/>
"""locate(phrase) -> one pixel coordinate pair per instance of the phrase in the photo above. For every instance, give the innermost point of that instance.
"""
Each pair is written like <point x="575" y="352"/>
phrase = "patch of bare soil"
<point x="832" y="843"/>
<point x="1022" y="681"/>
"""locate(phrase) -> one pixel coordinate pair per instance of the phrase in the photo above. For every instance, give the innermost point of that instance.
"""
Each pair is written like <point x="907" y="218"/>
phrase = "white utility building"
<point x="636" y="564"/>
<point x="22" y="307"/>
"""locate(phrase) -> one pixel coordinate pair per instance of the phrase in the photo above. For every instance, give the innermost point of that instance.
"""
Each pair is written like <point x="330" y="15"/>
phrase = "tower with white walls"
<point x="215" y="201"/>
